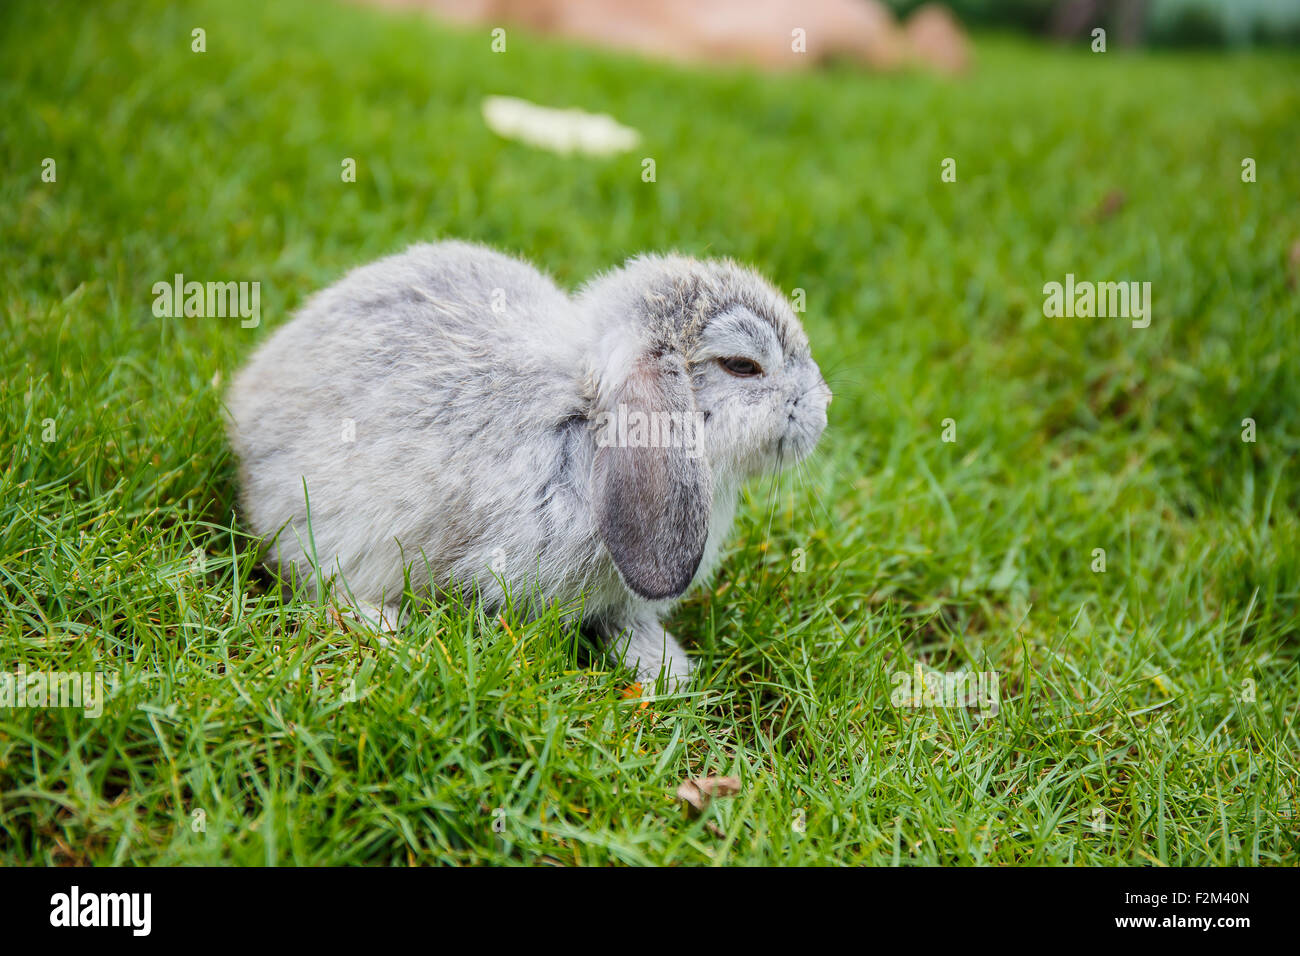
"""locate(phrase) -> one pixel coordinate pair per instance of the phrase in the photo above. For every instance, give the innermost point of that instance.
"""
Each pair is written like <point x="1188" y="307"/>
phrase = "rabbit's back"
<point x="432" y="404"/>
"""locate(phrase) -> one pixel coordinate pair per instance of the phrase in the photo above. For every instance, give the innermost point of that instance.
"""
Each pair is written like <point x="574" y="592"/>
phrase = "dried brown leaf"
<point x="697" y="792"/>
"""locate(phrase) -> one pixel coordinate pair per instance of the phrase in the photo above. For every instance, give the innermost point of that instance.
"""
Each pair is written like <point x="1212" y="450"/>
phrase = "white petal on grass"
<point x="561" y="131"/>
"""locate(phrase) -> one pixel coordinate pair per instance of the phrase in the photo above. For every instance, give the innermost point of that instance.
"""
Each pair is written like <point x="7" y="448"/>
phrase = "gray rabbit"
<point x="451" y="410"/>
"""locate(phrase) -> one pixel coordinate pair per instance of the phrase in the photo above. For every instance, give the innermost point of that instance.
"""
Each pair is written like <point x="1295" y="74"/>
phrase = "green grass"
<point x="302" y="742"/>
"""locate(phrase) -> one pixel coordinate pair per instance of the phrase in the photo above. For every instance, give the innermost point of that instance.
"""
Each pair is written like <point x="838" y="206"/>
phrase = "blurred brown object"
<point x="1110" y="205"/>
<point x="761" y="33"/>
<point x="936" y="39"/>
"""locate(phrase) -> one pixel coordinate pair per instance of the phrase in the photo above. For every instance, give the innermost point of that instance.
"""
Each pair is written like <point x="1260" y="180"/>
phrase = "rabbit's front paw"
<point x="652" y="652"/>
<point x="675" y="669"/>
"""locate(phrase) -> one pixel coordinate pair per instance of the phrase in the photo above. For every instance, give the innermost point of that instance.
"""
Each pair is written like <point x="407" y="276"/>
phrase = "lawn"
<point x="1147" y="711"/>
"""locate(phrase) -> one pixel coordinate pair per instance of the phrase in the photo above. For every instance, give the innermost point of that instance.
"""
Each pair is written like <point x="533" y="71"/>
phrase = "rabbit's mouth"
<point x="798" y="441"/>
<point x="804" y="424"/>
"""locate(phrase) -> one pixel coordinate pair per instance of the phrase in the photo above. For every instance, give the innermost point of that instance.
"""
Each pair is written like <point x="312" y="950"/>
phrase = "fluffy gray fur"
<point x="477" y="391"/>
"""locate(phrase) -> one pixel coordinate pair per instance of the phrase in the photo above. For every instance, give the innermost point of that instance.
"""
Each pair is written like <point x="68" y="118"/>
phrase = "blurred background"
<point x="881" y="33"/>
<point x="1172" y="23"/>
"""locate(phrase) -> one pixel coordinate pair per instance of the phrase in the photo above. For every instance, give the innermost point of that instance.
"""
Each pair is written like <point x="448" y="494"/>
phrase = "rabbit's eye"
<point x="742" y="367"/>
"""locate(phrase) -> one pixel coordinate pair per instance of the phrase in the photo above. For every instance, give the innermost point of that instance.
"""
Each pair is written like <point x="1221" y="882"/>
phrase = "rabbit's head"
<point x="703" y="377"/>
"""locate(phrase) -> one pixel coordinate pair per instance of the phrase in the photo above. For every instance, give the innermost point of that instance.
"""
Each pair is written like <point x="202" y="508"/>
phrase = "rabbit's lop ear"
<point x="651" y="484"/>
